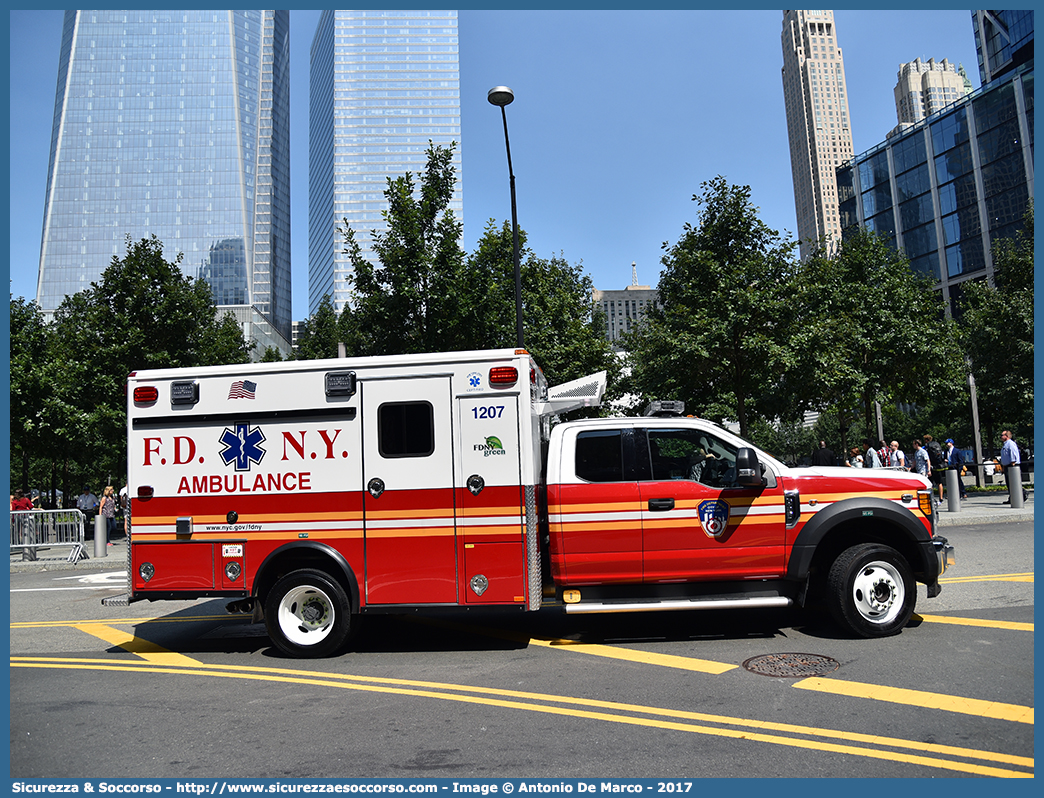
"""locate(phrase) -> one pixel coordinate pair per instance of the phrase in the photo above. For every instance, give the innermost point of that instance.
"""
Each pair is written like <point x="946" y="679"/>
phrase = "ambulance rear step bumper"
<point x="752" y="602"/>
<point x="122" y="600"/>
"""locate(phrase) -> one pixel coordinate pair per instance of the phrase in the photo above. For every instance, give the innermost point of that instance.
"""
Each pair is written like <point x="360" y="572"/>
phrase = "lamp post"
<point x="502" y="96"/>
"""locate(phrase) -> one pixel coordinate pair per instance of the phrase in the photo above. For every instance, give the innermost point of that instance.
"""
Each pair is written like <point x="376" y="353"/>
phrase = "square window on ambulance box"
<point x="406" y="429"/>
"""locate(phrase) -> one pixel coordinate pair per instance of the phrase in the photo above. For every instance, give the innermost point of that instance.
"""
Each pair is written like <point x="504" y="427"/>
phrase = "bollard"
<point x="953" y="490"/>
<point x="1014" y="475"/>
<point x="101" y="532"/>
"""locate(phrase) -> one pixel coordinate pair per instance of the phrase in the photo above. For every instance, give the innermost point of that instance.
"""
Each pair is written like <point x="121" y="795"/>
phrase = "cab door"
<point x="408" y="483"/>
<point x="697" y="523"/>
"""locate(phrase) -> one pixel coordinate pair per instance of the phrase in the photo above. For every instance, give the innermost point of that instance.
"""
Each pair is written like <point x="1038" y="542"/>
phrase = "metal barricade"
<point x="34" y="531"/>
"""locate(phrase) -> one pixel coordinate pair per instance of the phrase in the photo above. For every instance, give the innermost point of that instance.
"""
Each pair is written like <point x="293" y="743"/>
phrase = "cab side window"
<point x="693" y="455"/>
<point x="599" y="455"/>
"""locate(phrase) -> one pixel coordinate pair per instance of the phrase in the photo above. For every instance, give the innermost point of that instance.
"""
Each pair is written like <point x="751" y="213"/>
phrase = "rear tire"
<point x="308" y="614"/>
<point x="871" y="590"/>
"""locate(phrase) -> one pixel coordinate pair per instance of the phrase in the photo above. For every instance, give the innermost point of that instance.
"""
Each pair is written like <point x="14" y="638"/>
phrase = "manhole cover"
<point x="791" y="665"/>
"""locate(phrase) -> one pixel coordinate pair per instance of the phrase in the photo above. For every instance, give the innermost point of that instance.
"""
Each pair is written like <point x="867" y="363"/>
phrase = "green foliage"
<point x="997" y="323"/>
<point x="30" y="386"/>
<point x="721" y="337"/>
<point x="319" y="335"/>
<point x="788" y="441"/>
<point x="870" y="329"/>
<point x="427" y="296"/>
<point x="409" y="303"/>
<point x="560" y="326"/>
<point x="271" y="355"/>
<point x="142" y="313"/>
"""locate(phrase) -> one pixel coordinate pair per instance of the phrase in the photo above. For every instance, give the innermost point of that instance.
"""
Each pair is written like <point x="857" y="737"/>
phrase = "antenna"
<point x="634" y="273"/>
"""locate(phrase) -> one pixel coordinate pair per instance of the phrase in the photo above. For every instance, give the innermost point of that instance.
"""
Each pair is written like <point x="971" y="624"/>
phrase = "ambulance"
<point x="312" y="492"/>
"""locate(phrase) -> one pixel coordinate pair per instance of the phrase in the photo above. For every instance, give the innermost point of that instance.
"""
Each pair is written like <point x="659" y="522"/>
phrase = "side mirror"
<point x="748" y="469"/>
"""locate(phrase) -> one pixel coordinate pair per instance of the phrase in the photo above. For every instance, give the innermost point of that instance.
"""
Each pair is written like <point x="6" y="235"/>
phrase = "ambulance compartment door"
<point x="408" y="484"/>
<point x="492" y="501"/>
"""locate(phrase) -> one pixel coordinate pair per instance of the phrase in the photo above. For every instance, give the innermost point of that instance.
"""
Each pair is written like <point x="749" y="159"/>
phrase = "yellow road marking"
<point x="634" y="655"/>
<point x="1017" y="626"/>
<point x="485" y="696"/>
<point x="150" y="652"/>
<point x="919" y="698"/>
<point x="1026" y="577"/>
<point x="110" y="621"/>
<point x="595" y="650"/>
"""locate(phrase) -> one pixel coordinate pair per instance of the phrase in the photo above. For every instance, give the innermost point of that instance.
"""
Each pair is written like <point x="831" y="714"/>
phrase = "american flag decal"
<point x="242" y="389"/>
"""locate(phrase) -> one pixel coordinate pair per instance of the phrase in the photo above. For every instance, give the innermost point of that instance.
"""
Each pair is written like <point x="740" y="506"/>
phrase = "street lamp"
<point x="502" y="96"/>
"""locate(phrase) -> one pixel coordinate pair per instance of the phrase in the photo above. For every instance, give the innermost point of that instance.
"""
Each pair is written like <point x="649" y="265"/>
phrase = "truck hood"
<point x="857" y="474"/>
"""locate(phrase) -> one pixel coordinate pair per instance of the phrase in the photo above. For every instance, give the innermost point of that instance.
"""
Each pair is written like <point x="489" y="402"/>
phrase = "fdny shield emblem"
<point x="714" y="515"/>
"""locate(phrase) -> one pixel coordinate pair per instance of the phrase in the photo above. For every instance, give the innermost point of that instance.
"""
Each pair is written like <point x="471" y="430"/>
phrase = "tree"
<point x="561" y="328"/>
<point x="143" y="313"/>
<point x="869" y="329"/>
<point x="319" y="335"/>
<point x="31" y="382"/>
<point x="427" y="296"/>
<point x="720" y="339"/>
<point x="997" y="325"/>
<point x="409" y="302"/>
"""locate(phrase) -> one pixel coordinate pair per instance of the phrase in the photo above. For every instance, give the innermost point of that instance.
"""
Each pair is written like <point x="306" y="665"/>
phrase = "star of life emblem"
<point x="242" y="446"/>
<point x="714" y="516"/>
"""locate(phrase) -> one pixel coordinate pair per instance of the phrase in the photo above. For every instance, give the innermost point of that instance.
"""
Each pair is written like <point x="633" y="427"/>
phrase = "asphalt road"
<point x="183" y="690"/>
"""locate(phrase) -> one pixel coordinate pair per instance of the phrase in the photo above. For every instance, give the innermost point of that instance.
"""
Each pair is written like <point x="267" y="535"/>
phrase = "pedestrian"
<point x="108" y="511"/>
<point x="87" y="503"/>
<point x="937" y="460"/>
<point x="20" y="502"/>
<point x="884" y="452"/>
<point x="855" y="459"/>
<point x="823" y="456"/>
<point x="896" y="458"/>
<point x="955" y="462"/>
<point x="870" y="458"/>
<point x="922" y="463"/>
<point x="1010" y="456"/>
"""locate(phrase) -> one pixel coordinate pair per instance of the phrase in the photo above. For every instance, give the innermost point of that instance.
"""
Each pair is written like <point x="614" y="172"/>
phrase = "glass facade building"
<point x="952" y="186"/>
<point x="382" y="85"/>
<point x="1003" y="41"/>
<point x="174" y="124"/>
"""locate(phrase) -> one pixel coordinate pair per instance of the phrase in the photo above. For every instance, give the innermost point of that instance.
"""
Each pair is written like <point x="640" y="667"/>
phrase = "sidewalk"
<point x="55" y="559"/>
<point x="978" y="508"/>
<point x="985" y="508"/>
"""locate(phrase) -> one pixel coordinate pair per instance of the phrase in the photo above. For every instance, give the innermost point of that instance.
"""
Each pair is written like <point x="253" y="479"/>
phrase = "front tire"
<point x="871" y="590"/>
<point x="308" y="614"/>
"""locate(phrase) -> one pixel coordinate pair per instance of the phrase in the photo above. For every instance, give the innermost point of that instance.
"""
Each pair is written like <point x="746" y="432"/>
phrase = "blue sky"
<point x="618" y="118"/>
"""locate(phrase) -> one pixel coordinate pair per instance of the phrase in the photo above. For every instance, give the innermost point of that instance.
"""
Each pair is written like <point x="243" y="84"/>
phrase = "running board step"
<point x="759" y="602"/>
<point x="122" y="600"/>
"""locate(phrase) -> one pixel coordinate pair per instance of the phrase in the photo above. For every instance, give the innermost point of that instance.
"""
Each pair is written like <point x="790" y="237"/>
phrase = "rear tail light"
<point x="503" y="375"/>
<point x="146" y="394"/>
<point x="145" y="491"/>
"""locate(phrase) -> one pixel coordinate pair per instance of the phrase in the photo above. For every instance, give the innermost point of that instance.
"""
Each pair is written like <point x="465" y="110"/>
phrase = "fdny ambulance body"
<point x="318" y="488"/>
<point x="312" y="491"/>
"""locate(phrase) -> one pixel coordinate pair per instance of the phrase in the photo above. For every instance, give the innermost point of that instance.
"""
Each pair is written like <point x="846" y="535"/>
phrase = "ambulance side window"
<point x="599" y="455"/>
<point x="406" y="429"/>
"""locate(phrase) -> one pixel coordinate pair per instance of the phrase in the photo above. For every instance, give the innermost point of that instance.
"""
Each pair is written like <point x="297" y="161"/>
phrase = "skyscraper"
<point x="1003" y="41"/>
<point x="924" y="87"/>
<point x="382" y="84"/>
<point x="818" y="123"/>
<point x="174" y="124"/>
